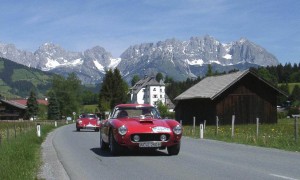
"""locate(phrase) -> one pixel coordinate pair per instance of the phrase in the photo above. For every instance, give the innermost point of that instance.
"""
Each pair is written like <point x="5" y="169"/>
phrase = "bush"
<point x="281" y="115"/>
<point x="293" y="110"/>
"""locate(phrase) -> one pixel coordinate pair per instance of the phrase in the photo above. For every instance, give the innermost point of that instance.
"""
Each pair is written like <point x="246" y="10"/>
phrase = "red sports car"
<point x="88" y="121"/>
<point x="137" y="126"/>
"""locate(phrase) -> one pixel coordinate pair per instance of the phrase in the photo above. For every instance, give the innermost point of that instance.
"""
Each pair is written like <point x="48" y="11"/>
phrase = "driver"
<point x="122" y="114"/>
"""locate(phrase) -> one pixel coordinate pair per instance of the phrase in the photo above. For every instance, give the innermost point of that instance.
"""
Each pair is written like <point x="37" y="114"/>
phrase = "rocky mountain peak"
<point x="172" y="57"/>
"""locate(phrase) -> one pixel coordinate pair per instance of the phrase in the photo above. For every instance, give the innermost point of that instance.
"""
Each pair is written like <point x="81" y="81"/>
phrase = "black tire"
<point x="103" y="145"/>
<point x="115" y="148"/>
<point x="174" y="150"/>
<point x="77" y="129"/>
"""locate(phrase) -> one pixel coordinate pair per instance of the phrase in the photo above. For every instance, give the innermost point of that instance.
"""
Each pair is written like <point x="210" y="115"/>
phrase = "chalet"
<point x="10" y="110"/>
<point x="149" y="91"/>
<point x="243" y="94"/>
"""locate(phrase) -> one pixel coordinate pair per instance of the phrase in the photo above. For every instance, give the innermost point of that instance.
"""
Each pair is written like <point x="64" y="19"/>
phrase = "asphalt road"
<point x="79" y="157"/>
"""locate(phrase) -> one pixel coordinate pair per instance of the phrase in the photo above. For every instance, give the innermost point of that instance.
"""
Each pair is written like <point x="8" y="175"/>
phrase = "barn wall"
<point x="202" y="109"/>
<point x="9" y="112"/>
<point x="247" y="100"/>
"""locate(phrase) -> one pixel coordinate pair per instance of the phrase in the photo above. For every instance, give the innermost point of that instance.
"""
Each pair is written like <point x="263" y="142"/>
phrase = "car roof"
<point x="134" y="105"/>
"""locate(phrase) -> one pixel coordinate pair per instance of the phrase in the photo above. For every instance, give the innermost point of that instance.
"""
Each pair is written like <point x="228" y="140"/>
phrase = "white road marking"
<point x="283" y="177"/>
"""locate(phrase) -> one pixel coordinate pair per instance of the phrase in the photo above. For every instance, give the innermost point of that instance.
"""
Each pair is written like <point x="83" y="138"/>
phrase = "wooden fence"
<point x="10" y="130"/>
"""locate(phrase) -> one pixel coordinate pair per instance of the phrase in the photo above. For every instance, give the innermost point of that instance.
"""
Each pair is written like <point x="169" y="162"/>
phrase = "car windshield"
<point x="136" y="112"/>
<point x="88" y="116"/>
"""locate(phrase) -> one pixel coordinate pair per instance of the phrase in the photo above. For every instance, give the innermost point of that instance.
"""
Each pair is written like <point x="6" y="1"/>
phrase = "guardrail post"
<point x="201" y="131"/>
<point x="217" y="125"/>
<point x="257" y="127"/>
<point x="38" y="129"/>
<point x="194" y="123"/>
<point x="232" y="126"/>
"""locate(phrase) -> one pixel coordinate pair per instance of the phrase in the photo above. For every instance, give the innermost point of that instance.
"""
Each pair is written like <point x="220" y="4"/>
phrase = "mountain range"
<point x="174" y="58"/>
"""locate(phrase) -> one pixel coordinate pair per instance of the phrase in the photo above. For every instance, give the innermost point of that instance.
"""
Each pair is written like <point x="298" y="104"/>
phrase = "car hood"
<point x="147" y="125"/>
<point x="86" y="120"/>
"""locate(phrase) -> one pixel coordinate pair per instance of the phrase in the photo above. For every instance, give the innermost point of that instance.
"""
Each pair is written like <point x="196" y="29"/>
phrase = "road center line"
<point x="283" y="177"/>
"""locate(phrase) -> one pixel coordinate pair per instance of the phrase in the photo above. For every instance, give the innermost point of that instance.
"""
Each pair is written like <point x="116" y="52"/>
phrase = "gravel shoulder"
<point x="51" y="167"/>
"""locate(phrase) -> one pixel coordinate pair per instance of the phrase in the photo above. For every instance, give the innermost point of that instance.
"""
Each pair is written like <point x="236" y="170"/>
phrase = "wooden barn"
<point x="10" y="110"/>
<point x="243" y="94"/>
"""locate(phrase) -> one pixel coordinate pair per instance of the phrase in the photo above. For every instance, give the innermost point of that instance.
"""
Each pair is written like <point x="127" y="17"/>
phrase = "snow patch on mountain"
<point x="227" y="56"/>
<point x="114" y="62"/>
<point x="54" y="63"/>
<point x="193" y="62"/>
<point x="99" y="66"/>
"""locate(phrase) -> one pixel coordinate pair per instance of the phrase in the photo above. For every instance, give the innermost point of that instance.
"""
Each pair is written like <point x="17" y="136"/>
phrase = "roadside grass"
<point x="20" y="156"/>
<point x="280" y="135"/>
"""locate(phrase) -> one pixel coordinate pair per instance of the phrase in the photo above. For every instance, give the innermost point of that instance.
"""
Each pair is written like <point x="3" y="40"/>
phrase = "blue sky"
<point x="116" y="24"/>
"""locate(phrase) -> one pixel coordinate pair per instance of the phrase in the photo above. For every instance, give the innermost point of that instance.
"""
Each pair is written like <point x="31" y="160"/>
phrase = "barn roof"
<point x="15" y="104"/>
<point x="24" y="101"/>
<point x="211" y="87"/>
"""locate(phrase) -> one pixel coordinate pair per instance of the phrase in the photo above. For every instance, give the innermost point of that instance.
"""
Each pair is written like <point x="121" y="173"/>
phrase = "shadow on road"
<point x="127" y="152"/>
<point x="85" y="130"/>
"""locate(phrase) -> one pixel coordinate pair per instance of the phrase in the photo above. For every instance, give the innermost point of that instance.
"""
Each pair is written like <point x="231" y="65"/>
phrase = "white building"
<point x="148" y="91"/>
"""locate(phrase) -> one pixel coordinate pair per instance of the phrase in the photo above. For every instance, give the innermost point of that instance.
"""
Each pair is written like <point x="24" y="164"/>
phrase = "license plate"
<point x="150" y="144"/>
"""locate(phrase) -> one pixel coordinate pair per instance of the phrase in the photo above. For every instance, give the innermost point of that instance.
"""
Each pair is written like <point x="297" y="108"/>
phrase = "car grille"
<point x="150" y="137"/>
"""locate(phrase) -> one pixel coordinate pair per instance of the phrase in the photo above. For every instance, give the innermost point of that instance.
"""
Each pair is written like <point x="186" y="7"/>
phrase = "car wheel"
<point x="103" y="145"/>
<point x="114" y="147"/>
<point x="97" y="130"/>
<point x="78" y="129"/>
<point x="174" y="150"/>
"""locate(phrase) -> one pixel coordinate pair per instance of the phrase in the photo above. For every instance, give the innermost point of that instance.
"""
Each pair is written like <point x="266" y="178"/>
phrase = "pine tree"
<point x="209" y="71"/>
<point x="134" y="80"/>
<point x="114" y="90"/>
<point x="32" y="106"/>
<point x="53" y="107"/>
<point x="159" y="77"/>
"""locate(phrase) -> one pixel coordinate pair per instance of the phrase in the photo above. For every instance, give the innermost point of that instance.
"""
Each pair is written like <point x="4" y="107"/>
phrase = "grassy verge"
<point x="20" y="157"/>
<point x="280" y="135"/>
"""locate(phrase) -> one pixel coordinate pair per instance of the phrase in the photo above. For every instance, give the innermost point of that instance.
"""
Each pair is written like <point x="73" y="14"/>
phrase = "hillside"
<point x="18" y="80"/>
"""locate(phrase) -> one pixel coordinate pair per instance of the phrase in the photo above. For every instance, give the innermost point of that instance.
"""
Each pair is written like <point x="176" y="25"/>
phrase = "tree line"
<point x="67" y="95"/>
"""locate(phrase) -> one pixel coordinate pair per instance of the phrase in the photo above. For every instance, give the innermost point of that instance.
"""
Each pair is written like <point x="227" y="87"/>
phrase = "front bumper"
<point x="147" y="140"/>
<point x="89" y="126"/>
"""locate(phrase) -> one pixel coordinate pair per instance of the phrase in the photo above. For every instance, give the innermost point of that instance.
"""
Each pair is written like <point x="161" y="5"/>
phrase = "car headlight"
<point x="163" y="137"/>
<point x="122" y="130"/>
<point x="79" y="121"/>
<point x="136" y="138"/>
<point x="177" y="129"/>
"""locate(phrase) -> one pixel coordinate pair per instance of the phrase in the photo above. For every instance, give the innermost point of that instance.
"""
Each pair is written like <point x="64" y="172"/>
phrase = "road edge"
<point x="51" y="167"/>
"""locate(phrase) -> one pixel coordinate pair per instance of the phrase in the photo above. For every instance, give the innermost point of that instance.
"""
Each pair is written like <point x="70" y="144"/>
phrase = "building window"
<point x="160" y="96"/>
<point x="154" y="89"/>
<point x="154" y="96"/>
